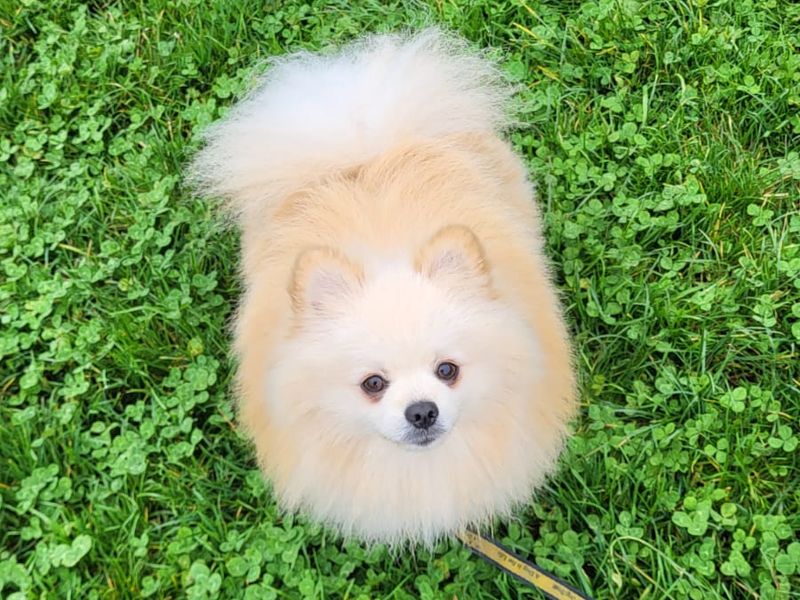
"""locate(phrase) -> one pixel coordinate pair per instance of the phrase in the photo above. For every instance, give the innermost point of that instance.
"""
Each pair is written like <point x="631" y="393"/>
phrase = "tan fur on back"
<point x="388" y="208"/>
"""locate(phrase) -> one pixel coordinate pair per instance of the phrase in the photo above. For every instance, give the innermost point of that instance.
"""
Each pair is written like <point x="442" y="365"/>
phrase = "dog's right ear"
<point x="321" y="279"/>
<point x="455" y="257"/>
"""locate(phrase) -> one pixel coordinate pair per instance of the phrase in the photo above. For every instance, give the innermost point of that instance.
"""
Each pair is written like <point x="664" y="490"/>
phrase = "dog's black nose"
<point x="422" y="415"/>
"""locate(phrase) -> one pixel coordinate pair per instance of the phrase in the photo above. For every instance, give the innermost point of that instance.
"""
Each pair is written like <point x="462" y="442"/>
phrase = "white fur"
<point x="388" y="490"/>
<point x="315" y="114"/>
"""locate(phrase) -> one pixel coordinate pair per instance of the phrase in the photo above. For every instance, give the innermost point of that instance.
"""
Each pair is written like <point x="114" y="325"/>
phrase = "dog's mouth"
<point x="423" y="438"/>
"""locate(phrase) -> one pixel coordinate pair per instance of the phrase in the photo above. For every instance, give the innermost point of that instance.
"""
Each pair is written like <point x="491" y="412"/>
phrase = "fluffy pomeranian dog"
<point x="404" y="369"/>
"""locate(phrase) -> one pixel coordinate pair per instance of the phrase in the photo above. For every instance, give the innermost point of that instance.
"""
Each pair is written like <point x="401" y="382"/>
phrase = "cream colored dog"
<point x="404" y="367"/>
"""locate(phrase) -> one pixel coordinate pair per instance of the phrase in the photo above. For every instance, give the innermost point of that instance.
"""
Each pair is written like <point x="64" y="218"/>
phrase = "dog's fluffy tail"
<point x="316" y="114"/>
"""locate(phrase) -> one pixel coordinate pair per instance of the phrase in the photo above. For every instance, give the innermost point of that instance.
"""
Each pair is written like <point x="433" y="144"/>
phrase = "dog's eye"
<point x="447" y="371"/>
<point x="374" y="384"/>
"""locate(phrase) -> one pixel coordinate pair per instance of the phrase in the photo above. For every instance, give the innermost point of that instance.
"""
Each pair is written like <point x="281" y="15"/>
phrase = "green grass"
<point x="665" y="138"/>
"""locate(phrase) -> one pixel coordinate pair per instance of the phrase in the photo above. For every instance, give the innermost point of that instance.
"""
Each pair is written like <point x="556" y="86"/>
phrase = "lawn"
<point x="664" y="136"/>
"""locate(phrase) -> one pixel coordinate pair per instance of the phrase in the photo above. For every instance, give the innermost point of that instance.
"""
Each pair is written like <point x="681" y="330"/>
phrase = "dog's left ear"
<point x="323" y="279"/>
<point x="454" y="256"/>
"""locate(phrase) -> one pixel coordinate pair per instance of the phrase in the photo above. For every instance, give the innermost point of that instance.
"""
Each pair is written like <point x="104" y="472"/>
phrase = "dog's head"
<point x="405" y="352"/>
